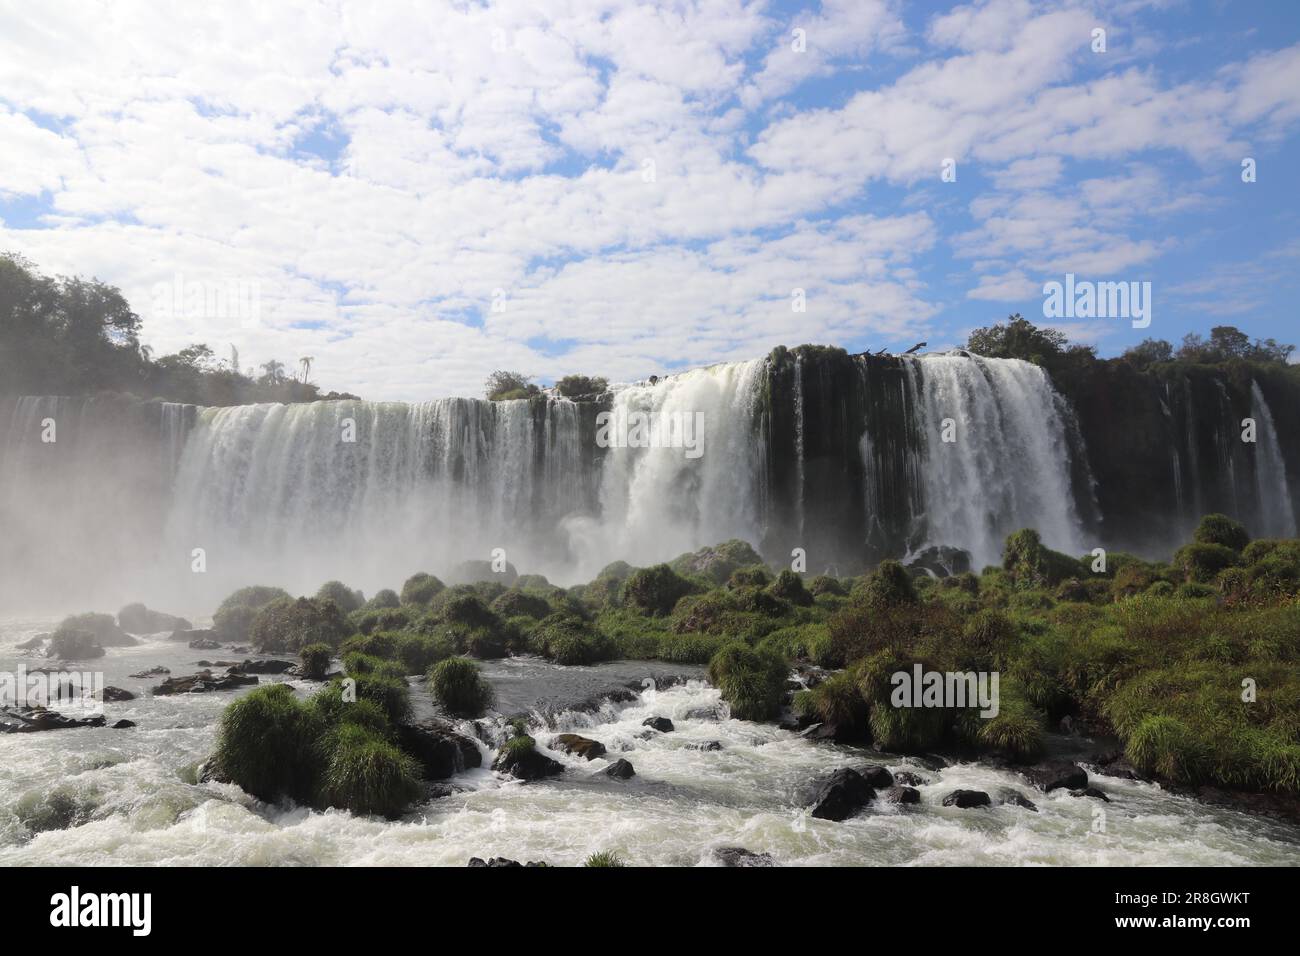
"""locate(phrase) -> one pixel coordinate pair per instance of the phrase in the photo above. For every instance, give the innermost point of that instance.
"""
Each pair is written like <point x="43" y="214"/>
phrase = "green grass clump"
<point x="265" y="743"/>
<point x="752" y="681"/>
<point x="1164" y="745"/>
<point x="567" y="639"/>
<point x="655" y="591"/>
<point x="421" y="589"/>
<point x="604" y="858"/>
<point x="347" y="599"/>
<point x="461" y="689"/>
<point x="366" y="774"/>
<point x="289" y="625"/>
<point x="315" y="660"/>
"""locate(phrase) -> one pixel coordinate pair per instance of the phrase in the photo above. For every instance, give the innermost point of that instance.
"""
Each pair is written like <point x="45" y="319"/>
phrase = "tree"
<point x="1018" y="338"/>
<point x="305" y="362"/>
<point x="503" y="386"/>
<point x="272" y="373"/>
<point x="581" y="386"/>
<point x="1148" y="352"/>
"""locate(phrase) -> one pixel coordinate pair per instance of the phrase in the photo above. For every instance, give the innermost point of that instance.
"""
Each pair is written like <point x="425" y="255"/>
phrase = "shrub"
<point x="535" y="582"/>
<point x="383" y="600"/>
<point x="366" y="774"/>
<point x="987" y="639"/>
<point x="265" y="743"/>
<point x="421" y="588"/>
<point x="655" y="590"/>
<point x="604" y="858"/>
<point x="581" y="387"/>
<point x="1032" y="565"/>
<point x="73" y="645"/>
<point x="467" y="608"/>
<point x="333" y="707"/>
<point x="289" y="625"/>
<point x="751" y="681"/>
<point x="315" y="660"/>
<point x="368" y="620"/>
<point x="716" y="564"/>
<point x="1015" y="731"/>
<point x="1194" y="591"/>
<point x="234" y="618"/>
<point x="102" y="627"/>
<point x="888" y="586"/>
<point x="825" y="584"/>
<point x="387" y="690"/>
<point x="788" y="586"/>
<point x="838" y="701"/>
<point x="338" y="592"/>
<point x="1221" y="530"/>
<point x="515" y="602"/>
<point x="567" y="639"/>
<point x="751" y="577"/>
<point x="419" y="652"/>
<point x="457" y="684"/>
<point x="1202" y="562"/>
<point x="1163" y="745"/>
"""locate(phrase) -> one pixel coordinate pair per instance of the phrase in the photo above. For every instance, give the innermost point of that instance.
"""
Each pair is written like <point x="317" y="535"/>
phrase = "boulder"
<point x="661" y="724"/>
<point x="965" y="799"/>
<point x="841" y="795"/>
<point x="263" y="667"/>
<point x="116" y="695"/>
<point x="526" y="763"/>
<point x="876" y="776"/>
<point x="495" y="861"/>
<point x="203" y="681"/>
<point x="1090" y="792"/>
<point x="902" y="795"/>
<point x="578" y="746"/>
<point x="1053" y="774"/>
<point x="123" y="724"/>
<point x="701" y="713"/>
<point x="735" y="856"/>
<point x="620" y="769"/>
<point x="204" y="644"/>
<point x="905" y="778"/>
<point x="1010" y="796"/>
<point x="138" y="619"/>
<point x="930" y="762"/>
<point x="28" y="720"/>
<point x="441" y="751"/>
<point x="152" y="672"/>
<point x="185" y="634"/>
<point x="940" y="561"/>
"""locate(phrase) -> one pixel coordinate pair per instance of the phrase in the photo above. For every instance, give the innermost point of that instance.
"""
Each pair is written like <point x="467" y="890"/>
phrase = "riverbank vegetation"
<point x="1190" y="663"/>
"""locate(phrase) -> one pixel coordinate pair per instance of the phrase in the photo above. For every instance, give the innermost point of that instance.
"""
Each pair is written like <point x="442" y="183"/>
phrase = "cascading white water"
<point x="1277" y="515"/>
<point x="1008" y="464"/>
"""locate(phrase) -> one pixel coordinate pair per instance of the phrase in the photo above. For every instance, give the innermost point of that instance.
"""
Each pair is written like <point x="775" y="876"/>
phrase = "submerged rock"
<point x="905" y="778"/>
<point x="1010" y="796"/>
<point x="661" y="724"/>
<point x="578" y="746"/>
<point x="151" y="672"/>
<point x="502" y="861"/>
<point x="204" y="644"/>
<point x="522" y="760"/>
<point x="841" y="795"/>
<point x="737" y="856"/>
<point x="441" y="751"/>
<point x="965" y="799"/>
<point x="124" y="724"/>
<point x="876" y="776"/>
<point x="203" y="681"/>
<point x="1090" y="792"/>
<point x="620" y="769"/>
<point x="264" y="667"/>
<point x="902" y="795"/>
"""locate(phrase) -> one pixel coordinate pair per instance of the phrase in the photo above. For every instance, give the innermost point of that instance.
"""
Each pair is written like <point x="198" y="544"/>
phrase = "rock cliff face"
<point x="851" y="458"/>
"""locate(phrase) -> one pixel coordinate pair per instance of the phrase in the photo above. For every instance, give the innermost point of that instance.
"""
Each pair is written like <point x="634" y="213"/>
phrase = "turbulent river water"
<point x="104" y="796"/>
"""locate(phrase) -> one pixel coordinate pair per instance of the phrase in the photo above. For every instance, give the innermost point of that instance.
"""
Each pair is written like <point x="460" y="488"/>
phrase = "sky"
<point x="416" y="194"/>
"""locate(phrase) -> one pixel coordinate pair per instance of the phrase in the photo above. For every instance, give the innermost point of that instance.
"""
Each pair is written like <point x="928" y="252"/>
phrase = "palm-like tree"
<point x="305" y="362"/>
<point x="273" y="372"/>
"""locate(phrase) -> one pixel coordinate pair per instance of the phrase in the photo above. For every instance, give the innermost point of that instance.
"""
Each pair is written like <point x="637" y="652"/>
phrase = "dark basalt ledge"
<point x="738" y="856"/>
<point x="27" y="720"/>
<point x="202" y="682"/>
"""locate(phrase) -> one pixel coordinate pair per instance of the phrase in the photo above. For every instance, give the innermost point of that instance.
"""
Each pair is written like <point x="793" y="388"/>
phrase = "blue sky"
<point x="419" y="194"/>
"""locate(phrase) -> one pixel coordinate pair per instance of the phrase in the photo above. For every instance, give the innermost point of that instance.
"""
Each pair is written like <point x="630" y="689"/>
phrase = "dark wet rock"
<point x="138" y="619"/>
<point x="27" y="720"/>
<point x="737" y="856"/>
<point x="830" y="731"/>
<point x="876" y="776"/>
<point x="708" y="746"/>
<point x="940" y="561"/>
<point x="123" y="724"/>
<point x="1090" y="792"/>
<point x="201" y="682"/>
<point x="209" y="771"/>
<point x="1067" y="727"/>
<point x="902" y="795"/>
<point x="930" y="762"/>
<point x="152" y="672"/>
<point x="1055" y="774"/>
<point x="578" y="746"/>
<point x="787" y="719"/>
<point x="441" y="751"/>
<point x="264" y="667"/>
<point x="117" y="695"/>
<point x="495" y="861"/>
<point x="620" y="769"/>
<point x="1010" y="796"/>
<point x="185" y="634"/>
<point x="1113" y="763"/>
<point x="906" y="778"/>
<point x="965" y="799"/>
<point x="701" y="713"/>
<point x="841" y="795"/>
<point x="526" y="763"/>
<point x="661" y="724"/>
<point x="204" y="644"/>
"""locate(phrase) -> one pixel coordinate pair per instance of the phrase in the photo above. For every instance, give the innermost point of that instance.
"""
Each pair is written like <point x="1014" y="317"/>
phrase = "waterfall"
<point x="1008" y="465"/>
<point x="1276" y="512"/>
